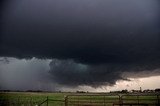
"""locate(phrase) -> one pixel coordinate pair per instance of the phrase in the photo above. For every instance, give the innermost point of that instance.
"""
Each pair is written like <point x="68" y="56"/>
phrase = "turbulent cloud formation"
<point x="94" y="41"/>
<point x="69" y="73"/>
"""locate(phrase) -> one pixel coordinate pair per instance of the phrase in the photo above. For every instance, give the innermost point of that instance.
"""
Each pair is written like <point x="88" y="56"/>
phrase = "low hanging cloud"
<point x="94" y="42"/>
<point x="55" y="75"/>
<point x="69" y="73"/>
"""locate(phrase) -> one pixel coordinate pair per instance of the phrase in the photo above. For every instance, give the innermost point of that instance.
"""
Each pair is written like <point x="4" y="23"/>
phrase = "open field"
<point x="27" y="98"/>
<point x="75" y="99"/>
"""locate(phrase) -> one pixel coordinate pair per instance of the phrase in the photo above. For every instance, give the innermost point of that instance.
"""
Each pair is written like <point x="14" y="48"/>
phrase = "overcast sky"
<point x="79" y="44"/>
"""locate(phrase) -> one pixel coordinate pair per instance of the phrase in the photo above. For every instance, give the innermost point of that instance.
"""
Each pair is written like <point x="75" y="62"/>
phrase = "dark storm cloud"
<point x="114" y="35"/>
<point x="69" y="73"/>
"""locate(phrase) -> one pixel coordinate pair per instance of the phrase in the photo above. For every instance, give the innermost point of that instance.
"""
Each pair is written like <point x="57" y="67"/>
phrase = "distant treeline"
<point x="138" y="91"/>
<point x="26" y="91"/>
<point x="122" y="91"/>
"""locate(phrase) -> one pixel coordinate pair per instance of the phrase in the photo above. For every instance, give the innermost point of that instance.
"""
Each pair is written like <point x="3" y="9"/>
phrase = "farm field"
<point x="74" y="99"/>
<point x="28" y="98"/>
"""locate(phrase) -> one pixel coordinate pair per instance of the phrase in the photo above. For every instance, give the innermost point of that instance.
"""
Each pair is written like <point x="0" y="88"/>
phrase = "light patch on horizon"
<point x="136" y="83"/>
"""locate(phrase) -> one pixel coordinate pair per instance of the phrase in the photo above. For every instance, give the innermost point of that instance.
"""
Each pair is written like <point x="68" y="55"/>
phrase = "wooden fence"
<point x="87" y="99"/>
<point x="108" y="100"/>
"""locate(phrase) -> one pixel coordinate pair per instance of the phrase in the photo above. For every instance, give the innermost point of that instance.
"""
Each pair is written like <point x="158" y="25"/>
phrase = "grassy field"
<point x="34" y="99"/>
<point x="29" y="98"/>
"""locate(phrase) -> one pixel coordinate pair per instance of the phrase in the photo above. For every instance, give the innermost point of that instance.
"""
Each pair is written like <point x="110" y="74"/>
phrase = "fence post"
<point x="104" y="100"/>
<point x="138" y="99"/>
<point x="66" y="101"/>
<point x="158" y="100"/>
<point x="47" y="100"/>
<point x="18" y="101"/>
<point x="121" y="99"/>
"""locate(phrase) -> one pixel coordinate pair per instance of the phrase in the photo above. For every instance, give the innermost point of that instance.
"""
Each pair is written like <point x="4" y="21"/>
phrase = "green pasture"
<point x="74" y="99"/>
<point x="29" y="98"/>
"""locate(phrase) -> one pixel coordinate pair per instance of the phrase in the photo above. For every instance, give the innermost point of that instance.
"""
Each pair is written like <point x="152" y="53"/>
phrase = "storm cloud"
<point x="95" y="42"/>
<point x="69" y="73"/>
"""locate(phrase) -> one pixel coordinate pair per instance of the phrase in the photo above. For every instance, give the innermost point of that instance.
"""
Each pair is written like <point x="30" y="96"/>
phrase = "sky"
<point x="69" y="45"/>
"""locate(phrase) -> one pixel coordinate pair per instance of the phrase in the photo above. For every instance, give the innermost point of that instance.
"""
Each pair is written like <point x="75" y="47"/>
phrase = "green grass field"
<point x="29" y="98"/>
<point x="74" y="99"/>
